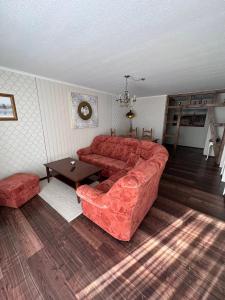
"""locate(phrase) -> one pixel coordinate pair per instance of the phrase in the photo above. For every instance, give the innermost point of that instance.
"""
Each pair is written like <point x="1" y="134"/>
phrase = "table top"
<point x="81" y="171"/>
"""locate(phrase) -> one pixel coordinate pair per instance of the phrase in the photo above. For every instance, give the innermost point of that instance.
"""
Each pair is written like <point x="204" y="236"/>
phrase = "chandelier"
<point x="124" y="99"/>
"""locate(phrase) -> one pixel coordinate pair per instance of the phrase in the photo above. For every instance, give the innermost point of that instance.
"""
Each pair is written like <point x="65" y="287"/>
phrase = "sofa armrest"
<point x="84" y="151"/>
<point x="92" y="196"/>
<point x="136" y="179"/>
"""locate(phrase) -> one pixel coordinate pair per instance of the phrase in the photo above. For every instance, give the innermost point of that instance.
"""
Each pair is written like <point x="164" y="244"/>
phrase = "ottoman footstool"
<point x="17" y="189"/>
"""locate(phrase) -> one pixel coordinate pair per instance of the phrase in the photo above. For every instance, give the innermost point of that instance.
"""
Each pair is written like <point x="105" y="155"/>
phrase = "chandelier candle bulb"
<point x="124" y="98"/>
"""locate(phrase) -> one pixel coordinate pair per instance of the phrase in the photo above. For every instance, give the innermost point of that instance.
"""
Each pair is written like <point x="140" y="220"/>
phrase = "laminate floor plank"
<point x="178" y="252"/>
<point x="49" y="277"/>
<point x="17" y="281"/>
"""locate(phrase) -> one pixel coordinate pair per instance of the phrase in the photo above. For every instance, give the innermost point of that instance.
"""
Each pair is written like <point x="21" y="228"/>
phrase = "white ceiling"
<point x="177" y="45"/>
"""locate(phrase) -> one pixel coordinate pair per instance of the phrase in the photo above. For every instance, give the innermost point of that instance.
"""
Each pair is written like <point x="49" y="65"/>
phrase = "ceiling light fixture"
<point x="124" y="98"/>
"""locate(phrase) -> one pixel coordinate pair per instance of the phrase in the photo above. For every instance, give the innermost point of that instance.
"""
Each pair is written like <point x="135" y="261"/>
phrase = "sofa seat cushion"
<point x="92" y="159"/>
<point x="105" y="162"/>
<point x="106" y="185"/>
<point x="118" y="175"/>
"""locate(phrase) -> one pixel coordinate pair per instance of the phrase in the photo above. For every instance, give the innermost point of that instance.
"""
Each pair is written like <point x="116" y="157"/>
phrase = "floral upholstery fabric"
<point x="110" y="165"/>
<point x="107" y="184"/>
<point x="119" y="204"/>
<point x="112" y="153"/>
<point x="132" y="159"/>
<point x="114" y="147"/>
<point x="17" y="189"/>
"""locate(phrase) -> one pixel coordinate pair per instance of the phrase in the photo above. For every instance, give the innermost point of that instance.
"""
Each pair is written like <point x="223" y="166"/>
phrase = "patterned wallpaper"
<point x="21" y="142"/>
<point x="43" y="131"/>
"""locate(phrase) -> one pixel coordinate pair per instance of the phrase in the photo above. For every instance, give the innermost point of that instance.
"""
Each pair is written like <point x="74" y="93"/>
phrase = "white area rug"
<point x="61" y="197"/>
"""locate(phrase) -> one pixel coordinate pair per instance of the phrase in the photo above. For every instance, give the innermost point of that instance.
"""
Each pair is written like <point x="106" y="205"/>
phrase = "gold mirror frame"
<point x="84" y="104"/>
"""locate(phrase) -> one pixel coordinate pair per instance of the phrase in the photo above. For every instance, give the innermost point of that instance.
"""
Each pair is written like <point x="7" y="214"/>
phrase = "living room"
<point x="112" y="157"/>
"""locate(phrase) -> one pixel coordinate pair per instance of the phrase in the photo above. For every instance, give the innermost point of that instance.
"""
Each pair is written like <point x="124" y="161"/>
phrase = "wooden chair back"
<point x="133" y="133"/>
<point x="147" y="134"/>
<point x="113" y="132"/>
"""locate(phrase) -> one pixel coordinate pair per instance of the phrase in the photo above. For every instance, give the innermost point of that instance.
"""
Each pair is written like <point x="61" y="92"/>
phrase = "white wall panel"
<point x="61" y="139"/>
<point x="119" y="120"/>
<point x="150" y="113"/>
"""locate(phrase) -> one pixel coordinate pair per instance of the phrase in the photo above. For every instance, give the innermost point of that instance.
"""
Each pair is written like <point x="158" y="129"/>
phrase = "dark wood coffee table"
<point x="77" y="173"/>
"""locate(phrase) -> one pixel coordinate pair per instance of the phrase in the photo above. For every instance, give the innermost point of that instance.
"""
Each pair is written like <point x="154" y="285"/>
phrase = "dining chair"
<point x="133" y="133"/>
<point x="147" y="134"/>
<point x="113" y="132"/>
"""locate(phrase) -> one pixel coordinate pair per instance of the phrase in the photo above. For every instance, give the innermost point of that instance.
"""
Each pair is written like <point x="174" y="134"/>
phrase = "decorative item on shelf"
<point x="181" y="100"/>
<point x="172" y="102"/>
<point x="191" y="118"/>
<point x="84" y="110"/>
<point x="7" y="108"/>
<point x="124" y="99"/>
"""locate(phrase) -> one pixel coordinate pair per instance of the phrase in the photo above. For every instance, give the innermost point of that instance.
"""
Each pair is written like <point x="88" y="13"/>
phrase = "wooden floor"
<point x="192" y="181"/>
<point x="177" y="253"/>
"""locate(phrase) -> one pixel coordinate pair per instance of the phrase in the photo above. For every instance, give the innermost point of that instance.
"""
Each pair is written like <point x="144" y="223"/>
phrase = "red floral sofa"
<point x="119" y="204"/>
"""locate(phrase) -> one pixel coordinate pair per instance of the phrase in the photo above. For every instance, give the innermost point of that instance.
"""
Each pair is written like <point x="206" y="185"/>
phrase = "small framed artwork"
<point x="84" y="110"/>
<point x="7" y="108"/>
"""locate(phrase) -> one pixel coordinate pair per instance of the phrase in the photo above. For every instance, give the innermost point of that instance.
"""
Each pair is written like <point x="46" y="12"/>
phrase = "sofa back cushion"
<point x="126" y="149"/>
<point x="146" y="149"/>
<point x="114" y="147"/>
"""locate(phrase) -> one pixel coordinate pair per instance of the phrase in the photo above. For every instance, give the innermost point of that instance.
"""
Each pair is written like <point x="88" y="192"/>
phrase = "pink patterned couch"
<point x="119" y="204"/>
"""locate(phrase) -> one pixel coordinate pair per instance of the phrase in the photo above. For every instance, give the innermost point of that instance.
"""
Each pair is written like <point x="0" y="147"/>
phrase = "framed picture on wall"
<point x="7" y="108"/>
<point x="84" y="110"/>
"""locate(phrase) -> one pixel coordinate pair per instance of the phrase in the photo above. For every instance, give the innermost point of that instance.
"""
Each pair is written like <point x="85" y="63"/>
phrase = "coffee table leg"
<point x="48" y="173"/>
<point x="76" y="186"/>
